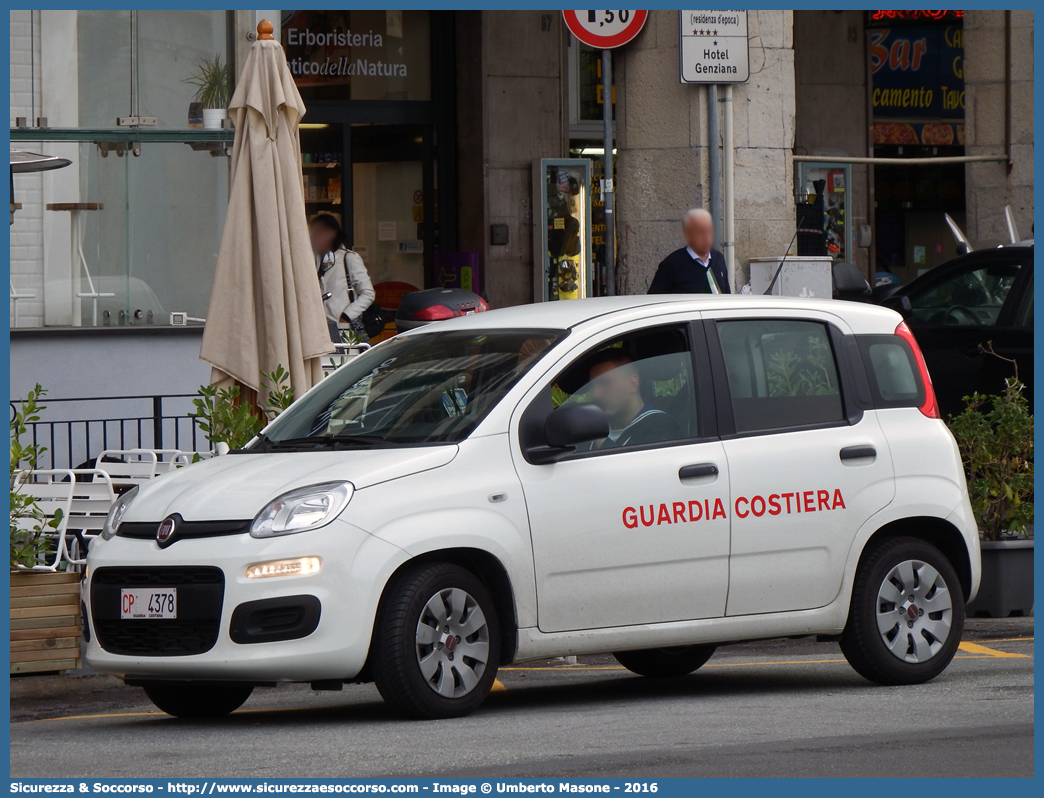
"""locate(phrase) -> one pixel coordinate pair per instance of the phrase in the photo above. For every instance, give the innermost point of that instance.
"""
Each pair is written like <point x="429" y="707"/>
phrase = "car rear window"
<point x="782" y="374"/>
<point x="894" y="377"/>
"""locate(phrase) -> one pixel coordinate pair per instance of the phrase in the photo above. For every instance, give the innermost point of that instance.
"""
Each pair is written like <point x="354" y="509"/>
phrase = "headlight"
<point x="116" y="513"/>
<point x="302" y="509"/>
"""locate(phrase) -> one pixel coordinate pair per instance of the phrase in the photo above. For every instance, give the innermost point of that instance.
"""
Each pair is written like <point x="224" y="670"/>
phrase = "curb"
<point x="58" y="687"/>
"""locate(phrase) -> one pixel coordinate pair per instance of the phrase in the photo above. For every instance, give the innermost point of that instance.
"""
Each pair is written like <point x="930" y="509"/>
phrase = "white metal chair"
<point x="91" y="501"/>
<point x="53" y="491"/>
<point x="128" y="467"/>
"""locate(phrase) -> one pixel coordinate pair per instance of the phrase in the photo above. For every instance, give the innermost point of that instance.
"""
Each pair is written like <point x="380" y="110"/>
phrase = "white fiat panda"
<point x="648" y="476"/>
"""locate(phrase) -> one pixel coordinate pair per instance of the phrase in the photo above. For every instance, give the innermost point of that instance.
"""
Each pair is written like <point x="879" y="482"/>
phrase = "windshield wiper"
<point x="326" y="441"/>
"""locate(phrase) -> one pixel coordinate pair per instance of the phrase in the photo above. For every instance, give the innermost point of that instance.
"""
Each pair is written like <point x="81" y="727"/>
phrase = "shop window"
<point x="147" y="55"/>
<point x="130" y="239"/>
<point x="585" y="90"/>
<point x="127" y="234"/>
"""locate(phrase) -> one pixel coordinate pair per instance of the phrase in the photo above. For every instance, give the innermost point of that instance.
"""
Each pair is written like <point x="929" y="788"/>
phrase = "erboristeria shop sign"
<point x="322" y="63"/>
<point x="325" y="49"/>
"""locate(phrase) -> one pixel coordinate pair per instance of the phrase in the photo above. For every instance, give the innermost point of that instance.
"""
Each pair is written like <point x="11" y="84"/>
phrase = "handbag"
<point x="372" y="318"/>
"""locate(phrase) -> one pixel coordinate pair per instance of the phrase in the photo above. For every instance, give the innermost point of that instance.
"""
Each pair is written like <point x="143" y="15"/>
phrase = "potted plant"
<point x="995" y="437"/>
<point x="45" y="605"/>
<point x="211" y="81"/>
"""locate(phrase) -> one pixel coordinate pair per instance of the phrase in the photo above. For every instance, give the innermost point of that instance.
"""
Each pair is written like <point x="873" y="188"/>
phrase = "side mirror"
<point x="566" y="428"/>
<point x="571" y="425"/>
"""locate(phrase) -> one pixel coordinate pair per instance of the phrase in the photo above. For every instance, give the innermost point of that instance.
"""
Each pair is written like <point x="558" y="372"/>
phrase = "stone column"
<point x="662" y="147"/>
<point x="989" y="186"/>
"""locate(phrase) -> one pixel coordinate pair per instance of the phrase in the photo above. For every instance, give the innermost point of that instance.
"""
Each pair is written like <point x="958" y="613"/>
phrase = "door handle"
<point x="699" y="470"/>
<point x="858" y="452"/>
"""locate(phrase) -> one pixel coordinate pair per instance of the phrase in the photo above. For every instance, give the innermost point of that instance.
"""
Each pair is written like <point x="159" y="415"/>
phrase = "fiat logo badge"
<point x="166" y="529"/>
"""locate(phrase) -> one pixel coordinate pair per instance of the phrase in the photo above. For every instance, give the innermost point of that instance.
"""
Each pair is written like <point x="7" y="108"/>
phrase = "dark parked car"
<point x="984" y="296"/>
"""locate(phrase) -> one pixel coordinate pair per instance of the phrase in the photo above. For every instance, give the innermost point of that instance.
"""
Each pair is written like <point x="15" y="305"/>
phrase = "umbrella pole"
<point x="249" y="397"/>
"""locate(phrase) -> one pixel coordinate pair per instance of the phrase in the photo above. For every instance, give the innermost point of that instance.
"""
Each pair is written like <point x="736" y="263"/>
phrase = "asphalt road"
<point x="780" y="708"/>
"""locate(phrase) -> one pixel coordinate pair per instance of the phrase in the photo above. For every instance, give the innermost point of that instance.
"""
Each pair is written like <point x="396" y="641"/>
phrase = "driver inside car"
<point x="616" y="388"/>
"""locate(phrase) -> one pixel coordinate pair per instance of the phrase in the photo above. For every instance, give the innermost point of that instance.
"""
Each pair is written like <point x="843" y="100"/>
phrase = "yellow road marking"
<point x="975" y="648"/>
<point x="974" y="651"/>
<point x="89" y="717"/>
<point x="1009" y="640"/>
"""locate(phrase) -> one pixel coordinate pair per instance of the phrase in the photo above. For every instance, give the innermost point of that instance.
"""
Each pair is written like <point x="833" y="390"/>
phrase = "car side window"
<point x="782" y="374"/>
<point x="970" y="298"/>
<point x="642" y="381"/>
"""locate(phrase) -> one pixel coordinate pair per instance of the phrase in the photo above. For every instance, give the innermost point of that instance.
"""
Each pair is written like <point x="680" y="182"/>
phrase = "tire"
<point x="198" y="699"/>
<point x="891" y="639"/>
<point x="665" y="663"/>
<point x="436" y="643"/>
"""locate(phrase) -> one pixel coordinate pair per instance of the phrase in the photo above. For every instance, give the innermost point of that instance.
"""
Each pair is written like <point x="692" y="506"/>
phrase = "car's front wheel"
<point x="436" y="643"/>
<point x="198" y="699"/>
<point x="665" y="663"/>
<point x="906" y="616"/>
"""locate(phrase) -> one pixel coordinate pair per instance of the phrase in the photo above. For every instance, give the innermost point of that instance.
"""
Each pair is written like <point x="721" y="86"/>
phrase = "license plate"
<point x="159" y="602"/>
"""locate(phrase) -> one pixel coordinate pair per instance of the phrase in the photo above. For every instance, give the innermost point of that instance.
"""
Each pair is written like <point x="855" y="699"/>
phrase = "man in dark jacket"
<point x="616" y="389"/>
<point x="690" y="269"/>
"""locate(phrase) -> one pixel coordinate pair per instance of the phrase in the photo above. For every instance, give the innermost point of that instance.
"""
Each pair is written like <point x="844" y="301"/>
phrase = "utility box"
<point x="800" y="276"/>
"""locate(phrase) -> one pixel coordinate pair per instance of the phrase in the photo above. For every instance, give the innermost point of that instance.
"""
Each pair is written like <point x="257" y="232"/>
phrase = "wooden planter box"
<point x="1007" y="579"/>
<point x="45" y="622"/>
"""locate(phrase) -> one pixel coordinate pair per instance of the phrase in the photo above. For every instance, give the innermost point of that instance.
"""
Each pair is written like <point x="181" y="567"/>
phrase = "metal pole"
<point x="728" y="244"/>
<point x="608" y="189"/>
<point x="932" y="161"/>
<point x="133" y="63"/>
<point x="714" y="158"/>
<point x="157" y="422"/>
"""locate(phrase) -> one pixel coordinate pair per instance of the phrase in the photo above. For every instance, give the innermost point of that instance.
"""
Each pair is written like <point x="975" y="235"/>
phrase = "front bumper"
<point x="355" y="567"/>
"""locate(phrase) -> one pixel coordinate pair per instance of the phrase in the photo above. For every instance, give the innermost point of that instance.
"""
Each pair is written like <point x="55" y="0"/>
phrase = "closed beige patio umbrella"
<point x="265" y="306"/>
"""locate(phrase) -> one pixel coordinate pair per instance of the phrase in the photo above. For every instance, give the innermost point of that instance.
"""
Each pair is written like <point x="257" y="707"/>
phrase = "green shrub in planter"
<point x="995" y="437"/>
<point x="29" y="527"/>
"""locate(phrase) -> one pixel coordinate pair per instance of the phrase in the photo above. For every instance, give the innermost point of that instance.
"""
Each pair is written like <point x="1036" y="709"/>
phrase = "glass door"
<point x="394" y="204"/>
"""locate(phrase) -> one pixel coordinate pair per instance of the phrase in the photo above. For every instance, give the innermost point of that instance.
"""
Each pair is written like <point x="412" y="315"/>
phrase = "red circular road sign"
<point x="605" y="29"/>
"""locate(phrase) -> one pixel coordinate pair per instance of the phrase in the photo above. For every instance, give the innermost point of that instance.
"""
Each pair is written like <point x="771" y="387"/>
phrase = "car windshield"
<point x="429" y="388"/>
<point x="971" y="297"/>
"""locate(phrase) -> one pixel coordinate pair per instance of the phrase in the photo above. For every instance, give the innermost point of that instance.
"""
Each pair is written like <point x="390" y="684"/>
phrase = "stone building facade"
<point x="507" y="100"/>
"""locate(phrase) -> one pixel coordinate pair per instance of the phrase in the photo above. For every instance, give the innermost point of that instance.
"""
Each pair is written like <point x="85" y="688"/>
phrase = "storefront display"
<point x="823" y="192"/>
<point x="564" y="240"/>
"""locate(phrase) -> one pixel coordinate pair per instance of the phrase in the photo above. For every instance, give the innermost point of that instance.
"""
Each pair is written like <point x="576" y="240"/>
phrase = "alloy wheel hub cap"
<point x="914" y="611"/>
<point x="452" y="643"/>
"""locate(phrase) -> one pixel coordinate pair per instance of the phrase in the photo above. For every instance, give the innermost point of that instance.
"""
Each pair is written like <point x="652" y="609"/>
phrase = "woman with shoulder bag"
<point x="348" y="294"/>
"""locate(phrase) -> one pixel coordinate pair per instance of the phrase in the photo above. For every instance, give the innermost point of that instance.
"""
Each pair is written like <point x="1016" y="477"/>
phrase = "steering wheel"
<point x="958" y="314"/>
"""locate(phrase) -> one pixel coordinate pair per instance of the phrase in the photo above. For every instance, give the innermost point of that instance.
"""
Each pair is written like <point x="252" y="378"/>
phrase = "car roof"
<point x="568" y="314"/>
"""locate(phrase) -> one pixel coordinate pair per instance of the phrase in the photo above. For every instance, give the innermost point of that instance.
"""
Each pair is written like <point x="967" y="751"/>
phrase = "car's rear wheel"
<point x="436" y="643"/>
<point x="906" y="616"/>
<point x="665" y="663"/>
<point x="198" y="699"/>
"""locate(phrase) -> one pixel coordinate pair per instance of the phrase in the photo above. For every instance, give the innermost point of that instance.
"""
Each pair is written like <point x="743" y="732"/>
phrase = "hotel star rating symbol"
<point x="705" y="33"/>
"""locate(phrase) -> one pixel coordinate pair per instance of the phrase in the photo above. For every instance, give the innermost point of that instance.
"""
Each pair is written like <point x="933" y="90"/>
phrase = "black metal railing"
<point x="75" y="431"/>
